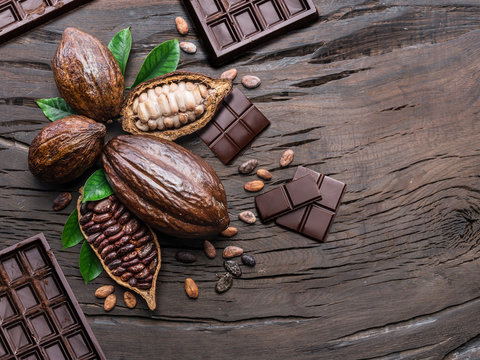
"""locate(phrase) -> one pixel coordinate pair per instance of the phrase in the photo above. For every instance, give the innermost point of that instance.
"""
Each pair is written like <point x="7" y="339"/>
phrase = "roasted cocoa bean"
<point x="119" y="211"/>
<point x="188" y="47"/>
<point x="103" y="206"/>
<point x="209" y="249"/>
<point x="149" y="278"/>
<point x="130" y="256"/>
<point x="124" y="218"/>
<point x="125" y="249"/>
<point x="109" y="258"/>
<point x="91" y="205"/>
<point x="61" y="201"/>
<point x="229" y="74"/>
<point x="248" y="260"/>
<point x="149" y="258"/>
<point x="122" y="242"/>
<point x="143" y="274"/>
<point x="182" y="26"/>
<point x="129" y="299"/>
<point x="93" y="237"/>
<point x="115" y="264"/>
<point x="109" y="223"/>
<point x="224" y="283"/>
<point x="140" y="233"/>
<point x="132" y="282"/>
<point x="117" y="236"/>
<point x="85" y="219"/>
<point x="88" y="225"/>
<point x="132" y="262"/>
<point x="115" y="205"/>
<point x="264" y="174"/>
<point x="185" y="256"/>
<point x="132" y="226"/>
<point x="98" y="241"/>
<point x="107" y="250"/>
<point x="126" y="276"/>
<point x="83" y="208"/>
<point x="110" y="302"/>
<point x="102" y="245"/>
<point x="251" y="82"/>
<point x="229" y="231"/>
<point x="287" y="158"/>
<point x="118" y="270"/>
<point x="232" y="267"/>
<point x="254" y="186"/>
<point x="191" y="288"/>
<point x="248" y="166"/>
<point x="145" y="250"/>
<point x="135" y="268"/>
<point x="247" y="217"/>
<point x="112" y="230"/>
<point x="153" y="265"/>
<point x="101" y="218"/>
<point x="103" y="291"/>
<point x="232" y="251"/>
<point x="144" y="285"/>
<point x="144" y="240"/>
<point x="93" y="229"/>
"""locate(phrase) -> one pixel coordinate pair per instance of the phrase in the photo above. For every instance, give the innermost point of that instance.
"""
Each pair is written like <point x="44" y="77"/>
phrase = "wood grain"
<point x="381" y="95"/>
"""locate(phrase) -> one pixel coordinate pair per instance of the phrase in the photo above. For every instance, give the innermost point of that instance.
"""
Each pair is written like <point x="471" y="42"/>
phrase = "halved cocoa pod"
<point x="123" y="258"/>
<point x="173" y="105"/>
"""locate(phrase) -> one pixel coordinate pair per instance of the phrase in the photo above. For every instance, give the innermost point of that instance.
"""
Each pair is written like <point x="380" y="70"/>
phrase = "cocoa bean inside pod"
<point x="117" y="251"/>
<point x="173" y="105"/>
<point x="166" y="186"/>
<point x="65" y="149"/>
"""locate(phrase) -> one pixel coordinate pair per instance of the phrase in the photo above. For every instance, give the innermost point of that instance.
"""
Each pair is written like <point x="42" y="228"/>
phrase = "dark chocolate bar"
<point x="39" y="315"/>
<point x="315" y="220"/>
<point x="229" y="27"/>
<point x="287" y="197"/>
<point x="18" y="16"/>
<point x="236" y="123"/>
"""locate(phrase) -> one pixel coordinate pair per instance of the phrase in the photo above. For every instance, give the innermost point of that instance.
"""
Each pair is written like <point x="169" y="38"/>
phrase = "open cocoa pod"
<point x="127" y="248"/>
<point x="173" y="105"/>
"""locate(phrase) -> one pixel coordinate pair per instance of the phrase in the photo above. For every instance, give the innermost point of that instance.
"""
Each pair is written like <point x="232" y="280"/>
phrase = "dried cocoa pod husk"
<point x="88" y="76"/>
<point x="217" y="89"/>
<point x="137" y="274"/>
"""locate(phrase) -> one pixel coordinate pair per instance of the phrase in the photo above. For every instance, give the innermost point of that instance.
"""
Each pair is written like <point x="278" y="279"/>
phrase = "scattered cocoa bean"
<point x="62" y="201"/>
<point x="248" y="260"/>
<point x="188" y="47"/>
<point x="264" y="174"/>
<point x="247" y="217"/>
<point x="209" y="249"/>
<point x="232" y="251"/>
<point x="254" y="186"/>
<point x="103" y="291"/>
<point x="287" y="158"/>
<point x="229" y="74"/>
<point x="224" y="283"/>
<point x="182" y="25"/>
<point x="251" y="82"/>
<point x="191" y="288"/>
<point x="248" y="166"/>
<point x="185" y="257"/>
<point x="229" y="231"/>
<point x="232" y="267"/>
<point x="110" y="302"/>
<point x="129" y="299"/>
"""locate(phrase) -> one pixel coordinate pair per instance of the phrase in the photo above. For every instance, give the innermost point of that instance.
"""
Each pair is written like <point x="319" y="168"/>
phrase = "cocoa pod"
<point x="209" y="249"/>
<point x="166" y="186"/>
<point x="287" y="158"/>
<point x="110" y="302"/>
<point x="182" y="26"/>
<point x="229" y="231"/>
<point x="103" y="291"/>
<point x="247" y="217"/>
<point x="113" y="253"/>
<point x="64" y="149"/>
<point x="61" y="201"/>
<point x="191" y="288"/>
<point x="232" y="251"/>
<point x="254" y="186"/>
<point x="88" y="76"/>
<point x="248" y="166"/>
<point x="173" y="105"/>
<point x="185" y="257"/>
<point x="264" y="174"/>
<point x="129" y="299"/>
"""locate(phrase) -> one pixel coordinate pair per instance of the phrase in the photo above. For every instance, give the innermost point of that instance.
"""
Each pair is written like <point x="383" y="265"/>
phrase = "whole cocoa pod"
<point x="167" y="186"/>
<point x="64" y="149"/>
<point x="88" y="76"/>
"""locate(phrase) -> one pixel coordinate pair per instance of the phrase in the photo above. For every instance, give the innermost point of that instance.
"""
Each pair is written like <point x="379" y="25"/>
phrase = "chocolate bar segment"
<point x="18" y="16"/>
<point x="287" y="197"/>
<point x="229" y="27"/>
<point x="314" y="220"/>
<point x="236" y="123"/>
<point x="39" y="315"/>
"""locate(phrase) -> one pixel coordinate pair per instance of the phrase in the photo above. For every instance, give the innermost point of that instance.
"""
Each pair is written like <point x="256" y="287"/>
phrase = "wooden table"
<point x="381" y="95"/>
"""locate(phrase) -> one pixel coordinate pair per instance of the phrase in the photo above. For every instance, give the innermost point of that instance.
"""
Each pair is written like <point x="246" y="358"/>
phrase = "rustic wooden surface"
<point x="383" y="96"/>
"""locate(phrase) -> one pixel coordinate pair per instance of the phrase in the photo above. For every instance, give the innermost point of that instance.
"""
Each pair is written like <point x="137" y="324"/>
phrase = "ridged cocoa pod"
<point x="64" y="149"/>
<point x="167" y="186"/>
<point x="163" y="107"/>
<point x="88" y="76"/>
<point x="127" y="249"/>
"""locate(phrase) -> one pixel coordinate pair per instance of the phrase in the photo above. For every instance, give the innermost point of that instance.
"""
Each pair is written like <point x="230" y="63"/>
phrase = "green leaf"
<point x="71" y="234"/>
<point x="90" y="265"/>
<point x="96" y="187"/>
<point x="55" y="108"/>
<point x="161" y="60"/>
<point x="120" y="46"/>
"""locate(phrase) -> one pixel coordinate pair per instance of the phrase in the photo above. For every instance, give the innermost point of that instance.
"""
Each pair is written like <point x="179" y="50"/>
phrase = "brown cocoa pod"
<point x="287" y="158"/>
<point x="191" y="288"/>
<point x="247" y="217"/>
<point x="88" y="76"/>
<point x="129" y="299"/>
<point x="194" y="205"/>
<point x="110" y="302"/>
<point x="64" y="149"/>
<point x="209" y="249"/>
<point x="103" y="291"/>
<point x="232" y="251"/>
<point x="185" y="257"/>
<point x="264" y="174"/>
<point x="61" y="201"/>
<point x="254" y="186"/>
<point x="229" y="231"/>
<point x="248" y="166"/>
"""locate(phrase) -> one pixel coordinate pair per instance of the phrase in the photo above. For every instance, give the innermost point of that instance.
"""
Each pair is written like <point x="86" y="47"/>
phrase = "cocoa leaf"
<point x="96" y="187"/>
<point x="120" y="46"/>
<point x="55" y="108"/>
<point x="90" y="266"/>
<point x="161" y="60"/>
<point x="71" y="234"/>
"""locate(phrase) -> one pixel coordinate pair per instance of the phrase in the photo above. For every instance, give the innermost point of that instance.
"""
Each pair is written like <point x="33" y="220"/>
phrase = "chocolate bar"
<point x="229" y="27"/>
<point x="287" y="197"/>
<point x="18" y="16"/>
<point x="315" y="220"/>
<point x="236" y="123"/>
<point x="39" y="315"/>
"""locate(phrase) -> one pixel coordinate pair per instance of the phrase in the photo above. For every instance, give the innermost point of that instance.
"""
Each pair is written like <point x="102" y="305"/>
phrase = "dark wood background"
<point x="383" y="95"/>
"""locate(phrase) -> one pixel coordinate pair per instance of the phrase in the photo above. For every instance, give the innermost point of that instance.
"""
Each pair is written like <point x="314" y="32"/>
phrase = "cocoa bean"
<point x="229" y="74"/>
<point x="122" y="242"/>
<point x="132" y="282"/>
<point x="132" y="226"/>
<point x="110" y="258"/>
<point x="102" y="245"/>
<point x="264" y="174"/>
<point x="115" y="205"/>
<point x="103" y="291"/>
<point x="232" y="251"/>
<point x="185" y="257"/>
<point x="191" y="288"/>
<point x="287" y="158"/>
<point x="126" y="276"/>
<point x="144" y="240"/>
<point x="182" y="26"/>
<point x="188" y="47"/>
<point x="232" y="267"/>
<point x="108" y="224"/>
<point x="101" y="218"/>
<point x="254" y="186"/>
<point x="229" y="231"/>
<point x="132" y="262"/>
<point x="248" y="260"/>
<point x="119" y="211"/>
<point x="103" y="206"/>
<point x="93" y="229"/>
<point x="209" y="249"/>
<point x="142" y="274"/>
<point x="110" y="302"/>
<point x="88" y="225"/>
<point x="130" y="256"/>
<point x="145" y="250"/>
<point x="107" y="250"/>
<point x="125" y="249"/>
<point x="251" y="82"/>
<point x="115" y="264"/>
<point x="149" y="278"/>
<point x="118" y="270"/>
<point x="99" y="240"/>
<point x="153" y="265"/>
<point x="224" y="283"/>
<point x="124" y="218"/>
<point x="129" y="299"/>
<point x="248" y="166"/>
<point x="93" y="237"/>
<point x="91" y="205"/>
<point x="140" y="233"/>
<point x="149" y="258"/>
<point x="116" y="237"/>
<point x="61" y="201"/>
<point x="247" y="217"/>
<point x="85" y="219"/>
<point x="112" y="230"/>
<point x="83" y="208"/>
<point x="144" y="285"/>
